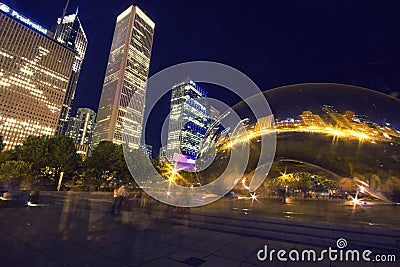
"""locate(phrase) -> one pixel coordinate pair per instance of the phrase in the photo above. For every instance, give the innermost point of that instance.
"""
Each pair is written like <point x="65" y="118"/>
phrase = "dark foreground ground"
<point x="77" y="229"/>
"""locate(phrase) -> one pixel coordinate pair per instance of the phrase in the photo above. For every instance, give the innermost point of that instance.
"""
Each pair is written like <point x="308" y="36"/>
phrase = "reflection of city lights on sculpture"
<point x="343" y="128"/>
<point x="283" y="174"/>
<point x="366" y="189"/>
<point x="362" y="190"/>
<point x="364" y="143"/>
<point x="244" y="184"/>
<point x="336" y="133"/>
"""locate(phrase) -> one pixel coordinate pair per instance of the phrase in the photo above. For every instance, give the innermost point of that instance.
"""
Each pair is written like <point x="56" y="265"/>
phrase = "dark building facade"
<point x="70" y="33"/>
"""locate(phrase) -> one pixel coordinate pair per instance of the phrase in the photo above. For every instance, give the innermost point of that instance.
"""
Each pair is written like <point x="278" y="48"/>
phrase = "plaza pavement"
<point x="75" y="230"/>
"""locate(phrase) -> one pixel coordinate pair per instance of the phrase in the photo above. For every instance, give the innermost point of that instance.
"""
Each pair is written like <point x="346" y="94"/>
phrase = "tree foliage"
<point x="106" y="164"/>
<point x="15" y="173"/>
<point x="42" y="159"/>
<point x="8" y="156"/>
<point x="58" y="153"/>
<point x="49" y="156"/>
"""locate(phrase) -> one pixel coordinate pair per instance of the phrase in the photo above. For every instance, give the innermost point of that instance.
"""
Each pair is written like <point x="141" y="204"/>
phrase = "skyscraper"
<point x="34" y="76"/>
<point x="81" y="127"/>
<point x="311" y="119"/>
<point x="188" y="120"/>
<point x="125" y="79"/>
<point x="70" y="32"/>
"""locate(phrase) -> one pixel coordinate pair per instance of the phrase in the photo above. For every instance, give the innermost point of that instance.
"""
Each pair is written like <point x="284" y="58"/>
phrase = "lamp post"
<point x="59" y="181"/>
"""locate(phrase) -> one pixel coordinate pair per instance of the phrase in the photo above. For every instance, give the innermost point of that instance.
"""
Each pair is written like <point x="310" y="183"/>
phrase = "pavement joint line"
<point x="78" y="243"/>
<point x="231" y="242"/>
<point x="36" y="249"/>
<point x="111" y="257"/>
<point x="243" y="261"/>
<point x="269" y="238"/>
<point x="143" y="263"/>
<point x="248" y="257"/>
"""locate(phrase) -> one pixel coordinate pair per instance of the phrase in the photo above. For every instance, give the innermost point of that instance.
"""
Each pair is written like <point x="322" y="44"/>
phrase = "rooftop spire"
<point x="65" y="11"/>
<point x="62" y="20"/>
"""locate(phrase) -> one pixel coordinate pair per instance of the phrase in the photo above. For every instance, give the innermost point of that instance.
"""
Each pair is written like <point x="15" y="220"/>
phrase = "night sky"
<point x="275" y="43"/>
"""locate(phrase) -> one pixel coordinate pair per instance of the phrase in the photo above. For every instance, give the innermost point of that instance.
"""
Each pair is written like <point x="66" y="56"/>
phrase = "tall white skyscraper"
<point x="125" y="79"/>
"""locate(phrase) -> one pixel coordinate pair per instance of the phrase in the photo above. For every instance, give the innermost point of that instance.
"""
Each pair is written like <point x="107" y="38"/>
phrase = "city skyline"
<point x="337" y="49"/>
<point x="294" y="162"/>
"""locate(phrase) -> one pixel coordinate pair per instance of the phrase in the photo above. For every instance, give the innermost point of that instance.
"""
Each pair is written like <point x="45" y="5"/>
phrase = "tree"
<point x="8" y="156"/>
<point x="121" y="167"/>
<point x="15" y="173"/>
<point x="107" y="165"/>
<point x="35" y="150"/>
<point x="103" y="164"/>
<point x="63" y="154"/>
<point x="50" y="156"/>
<point x="140" y="166"/>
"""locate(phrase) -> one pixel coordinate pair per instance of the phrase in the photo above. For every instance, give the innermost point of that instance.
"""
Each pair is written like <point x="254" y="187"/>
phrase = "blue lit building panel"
<point x="189" y="119"/>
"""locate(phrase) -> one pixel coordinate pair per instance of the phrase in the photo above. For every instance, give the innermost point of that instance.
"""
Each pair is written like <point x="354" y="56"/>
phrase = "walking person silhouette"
<point x="122" y="193"/>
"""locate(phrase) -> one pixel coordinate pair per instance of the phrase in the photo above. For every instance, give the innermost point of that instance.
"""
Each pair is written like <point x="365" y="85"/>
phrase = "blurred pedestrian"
<point x="143" y="200"/>
<point x="122" y="194"/>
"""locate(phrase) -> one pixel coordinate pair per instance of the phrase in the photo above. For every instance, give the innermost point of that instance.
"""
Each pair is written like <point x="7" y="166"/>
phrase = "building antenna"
<point x="62" y="19"/>
<point x="64" y="11"/>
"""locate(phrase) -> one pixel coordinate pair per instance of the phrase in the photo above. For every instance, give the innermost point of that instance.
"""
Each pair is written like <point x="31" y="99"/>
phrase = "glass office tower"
<point x="188" y="120"/>
<point x="81" y="127"/>
<point x="70" y="32"/>
<point x="125" y="79"/>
